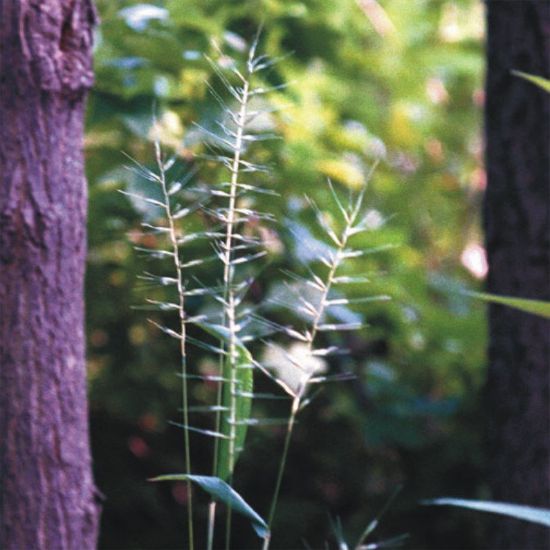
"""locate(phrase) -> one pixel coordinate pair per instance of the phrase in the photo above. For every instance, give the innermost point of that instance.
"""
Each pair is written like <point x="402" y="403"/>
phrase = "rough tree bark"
<point x="517" y="226"/>
<point x="47" y="495"/>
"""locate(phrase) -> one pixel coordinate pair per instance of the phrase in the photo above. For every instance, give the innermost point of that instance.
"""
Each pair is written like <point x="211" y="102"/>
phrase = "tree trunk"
<point x="517" y="227"/>
<point x="47" y="495"/>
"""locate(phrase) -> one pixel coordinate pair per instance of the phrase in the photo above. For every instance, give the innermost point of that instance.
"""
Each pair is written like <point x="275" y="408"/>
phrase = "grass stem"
<point x="183" y="354"/>
<point x="211" y="521"/>
<point x="282" y="464"/>
<point x="228" y="283"/>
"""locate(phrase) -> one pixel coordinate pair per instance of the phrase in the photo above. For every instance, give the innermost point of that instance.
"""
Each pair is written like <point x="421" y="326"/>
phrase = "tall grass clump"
<point x="223" y="215"/>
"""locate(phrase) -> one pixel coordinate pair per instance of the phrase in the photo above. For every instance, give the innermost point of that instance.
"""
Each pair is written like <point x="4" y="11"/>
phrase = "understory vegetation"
<point x="252" y="172"/>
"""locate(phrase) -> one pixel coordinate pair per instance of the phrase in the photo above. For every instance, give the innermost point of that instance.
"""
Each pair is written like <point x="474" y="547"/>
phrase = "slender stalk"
<point x="282" y="463"/>
<point x="211" y="520"/>
<point x="228" y="529"/>
<point x="183" y="354"/>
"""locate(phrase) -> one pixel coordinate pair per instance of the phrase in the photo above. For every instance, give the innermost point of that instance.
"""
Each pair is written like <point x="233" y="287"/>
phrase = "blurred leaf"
<point x="342" y="171"/>
<point x="137" y="17"/>
<point x="527" y="513"/>
<point x="536" y="307"/>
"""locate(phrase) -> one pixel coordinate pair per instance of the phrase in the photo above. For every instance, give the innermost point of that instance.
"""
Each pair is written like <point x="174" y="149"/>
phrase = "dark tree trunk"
<point x="47" y="495"/>
<point x="517" y="226"/>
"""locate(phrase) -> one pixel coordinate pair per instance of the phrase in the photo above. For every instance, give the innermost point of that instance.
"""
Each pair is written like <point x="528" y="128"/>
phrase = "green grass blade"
<point x="338" y="532"/>
<point x="369" y="529"/>
<point x="539" y="81"/>
<point x="536" y="307"/>
<point x="245" y="382"/>
<point x="526" y="513"/>
<point x="222" y="492"/>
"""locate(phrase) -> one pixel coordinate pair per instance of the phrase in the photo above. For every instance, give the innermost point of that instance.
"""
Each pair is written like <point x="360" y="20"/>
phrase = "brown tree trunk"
<point x="47" y="495"/>
<point x="517" y="226"/>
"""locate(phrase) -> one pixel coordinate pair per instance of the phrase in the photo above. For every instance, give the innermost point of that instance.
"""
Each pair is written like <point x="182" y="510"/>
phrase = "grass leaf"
<point x="527" y="513"/>
<point x="222" y="492"/>
<point x="536" y="307"/>
<point x="245" y="381"/>
<point x="539" y="81"/>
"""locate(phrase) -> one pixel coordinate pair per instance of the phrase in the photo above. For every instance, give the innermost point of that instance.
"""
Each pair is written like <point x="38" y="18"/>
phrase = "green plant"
<point x="224" y="214"/>
<point x="518" y="511"/>
<point x="353" y="94"/>
<point x="361" y="544"/>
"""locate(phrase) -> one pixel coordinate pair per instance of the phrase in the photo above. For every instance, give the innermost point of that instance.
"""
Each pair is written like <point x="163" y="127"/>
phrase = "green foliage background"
<point x="400" y="79"/>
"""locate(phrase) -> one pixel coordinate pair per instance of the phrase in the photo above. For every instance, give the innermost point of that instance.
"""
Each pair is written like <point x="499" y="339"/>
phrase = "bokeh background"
<point x="400" y="80"/>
